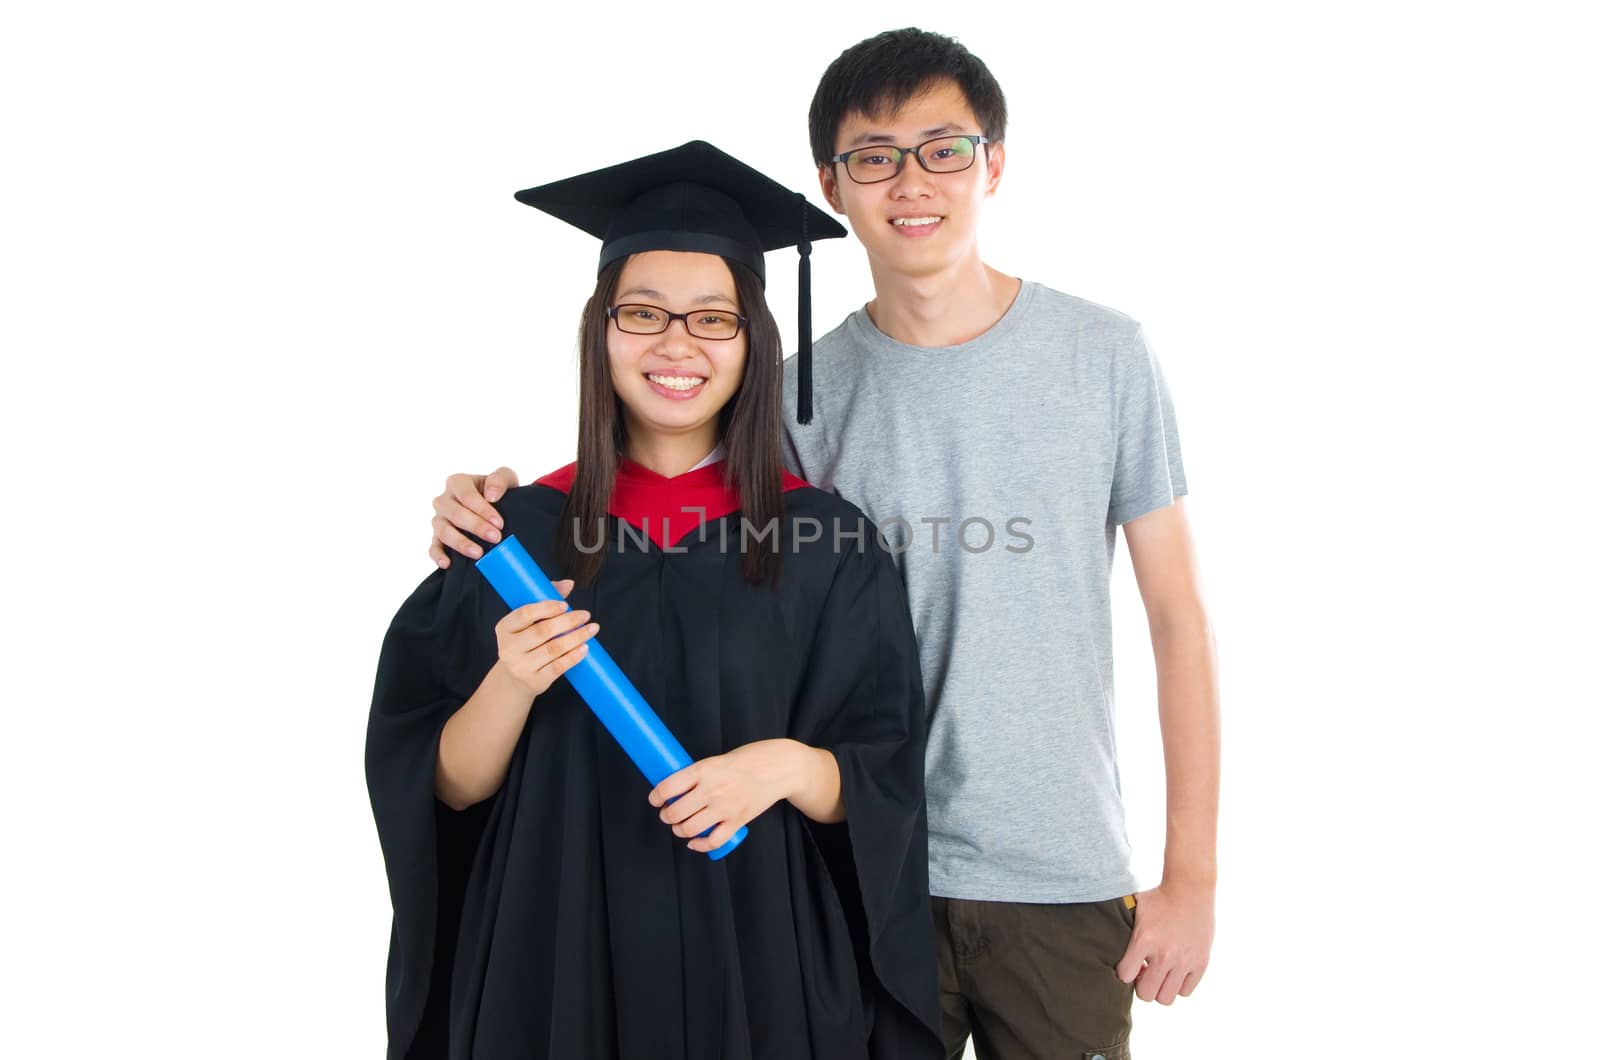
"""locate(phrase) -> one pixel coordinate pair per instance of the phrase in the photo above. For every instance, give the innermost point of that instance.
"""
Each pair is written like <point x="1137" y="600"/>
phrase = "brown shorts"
<point x="1034" y="982"/>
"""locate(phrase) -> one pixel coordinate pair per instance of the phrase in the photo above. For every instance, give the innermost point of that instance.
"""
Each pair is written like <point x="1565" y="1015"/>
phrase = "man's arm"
<point x="1175" y="921"/>
<point x="466" y="505"/>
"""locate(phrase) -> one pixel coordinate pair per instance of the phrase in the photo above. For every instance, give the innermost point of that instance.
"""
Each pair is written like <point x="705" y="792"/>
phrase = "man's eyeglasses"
<point x="947" y="154"/>
<point x="638" y="319"/>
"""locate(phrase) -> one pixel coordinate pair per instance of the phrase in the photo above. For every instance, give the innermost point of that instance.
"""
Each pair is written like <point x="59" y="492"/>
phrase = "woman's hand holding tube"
<point x="538" y="643"/>
<point x="725" y="792"/>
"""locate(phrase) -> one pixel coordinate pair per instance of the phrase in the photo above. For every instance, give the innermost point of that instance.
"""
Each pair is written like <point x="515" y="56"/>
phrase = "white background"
<point x="265" y="286"/>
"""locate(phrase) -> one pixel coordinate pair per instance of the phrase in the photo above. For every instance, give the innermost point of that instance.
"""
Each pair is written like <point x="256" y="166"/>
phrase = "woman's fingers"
<point x="554" y="637"/>
<point x="675" y="785"/>
<point x="541" y="641"/>
<point x="565" y="661"/>
<point x="528" y="615"/>
<point x="521" y="618"/>
<point x="553" y="648"/>
<point x="696" y="823"/>
<point x="684" y="806"/>
<point x="719" y="835"/>
<point x="553" y="632"/>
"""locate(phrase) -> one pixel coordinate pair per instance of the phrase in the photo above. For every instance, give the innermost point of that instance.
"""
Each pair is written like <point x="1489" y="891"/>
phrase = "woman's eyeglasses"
<point x="638" y="319"/>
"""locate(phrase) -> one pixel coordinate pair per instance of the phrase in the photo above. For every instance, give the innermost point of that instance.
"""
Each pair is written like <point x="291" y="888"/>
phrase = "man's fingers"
<point x="437" y="554"/>
<point x="1132" y="961"/>
<point x="1150" y="980"/>
<point x="564" y="586"/>
<point x="1191" y="981"/>
<point x="466" y="491"/>
<point x="449" y="513"/>
<point x="450" y="537"/>
<point x="473" y="501"/>
<point x="468" y="515"/>
<point x="1167" y="993"/>
<point x="499" y="481"/>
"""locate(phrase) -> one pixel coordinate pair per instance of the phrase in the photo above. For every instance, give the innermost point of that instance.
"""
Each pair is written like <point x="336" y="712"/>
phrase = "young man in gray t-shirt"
<point x="998" y="432"/>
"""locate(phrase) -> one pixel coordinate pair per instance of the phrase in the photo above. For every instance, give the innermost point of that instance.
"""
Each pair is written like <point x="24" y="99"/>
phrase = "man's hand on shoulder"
<point x="1173" y="926"/>
<point x="467" y="504"/>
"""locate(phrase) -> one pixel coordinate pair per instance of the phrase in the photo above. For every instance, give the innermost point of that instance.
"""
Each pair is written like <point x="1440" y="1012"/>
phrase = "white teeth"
<point x="915" y="220"/>
<point x="676" y="382"/>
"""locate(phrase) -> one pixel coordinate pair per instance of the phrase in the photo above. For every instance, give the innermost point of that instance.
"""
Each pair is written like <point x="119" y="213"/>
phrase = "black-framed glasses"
<point x="947" y="154"/>
<point x="639" y="319"/>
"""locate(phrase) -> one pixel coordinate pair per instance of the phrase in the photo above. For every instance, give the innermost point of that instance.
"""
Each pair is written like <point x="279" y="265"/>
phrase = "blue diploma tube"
<point x="597" y="678"/>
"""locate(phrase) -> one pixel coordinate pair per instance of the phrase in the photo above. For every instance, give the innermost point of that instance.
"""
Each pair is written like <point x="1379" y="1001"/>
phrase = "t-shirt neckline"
<point x="867" y="331"/>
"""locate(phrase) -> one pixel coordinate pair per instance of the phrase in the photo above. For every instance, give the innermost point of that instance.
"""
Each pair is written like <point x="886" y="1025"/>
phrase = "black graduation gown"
<point x="561" y="918"/>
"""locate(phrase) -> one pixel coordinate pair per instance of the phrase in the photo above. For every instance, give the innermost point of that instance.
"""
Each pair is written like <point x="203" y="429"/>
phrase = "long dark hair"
<point x="750" y="427"/>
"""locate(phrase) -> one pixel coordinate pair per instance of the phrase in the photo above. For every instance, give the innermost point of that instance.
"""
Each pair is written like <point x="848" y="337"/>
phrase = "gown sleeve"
<point x="434" y="655"/>
<point x="861" y="698"/>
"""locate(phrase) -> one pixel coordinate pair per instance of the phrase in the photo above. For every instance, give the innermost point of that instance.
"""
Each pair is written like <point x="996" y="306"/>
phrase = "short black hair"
<point x="881" y="74"/>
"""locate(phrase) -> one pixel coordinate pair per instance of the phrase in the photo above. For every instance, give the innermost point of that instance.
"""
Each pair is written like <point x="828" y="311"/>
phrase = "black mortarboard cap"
<point x="695" y="198"/>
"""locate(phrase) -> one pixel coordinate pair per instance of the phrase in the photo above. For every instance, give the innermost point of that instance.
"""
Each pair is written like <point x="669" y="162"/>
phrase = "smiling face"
<point x="674" y="383"/>
<point x="917" y="223"/>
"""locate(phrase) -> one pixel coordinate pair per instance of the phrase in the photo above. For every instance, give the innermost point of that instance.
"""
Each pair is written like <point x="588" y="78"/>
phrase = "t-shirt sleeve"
<point x="1148" y="473"/>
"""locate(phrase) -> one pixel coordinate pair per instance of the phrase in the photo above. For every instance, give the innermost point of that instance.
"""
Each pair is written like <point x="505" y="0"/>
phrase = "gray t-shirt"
<point x="998" y="471"/>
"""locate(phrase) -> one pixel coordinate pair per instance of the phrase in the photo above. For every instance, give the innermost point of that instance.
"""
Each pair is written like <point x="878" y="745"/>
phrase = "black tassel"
<point x="804" y="395"/>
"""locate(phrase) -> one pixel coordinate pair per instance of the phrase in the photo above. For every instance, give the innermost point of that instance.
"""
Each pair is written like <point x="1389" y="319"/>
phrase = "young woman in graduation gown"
<point x="548" y="902"/>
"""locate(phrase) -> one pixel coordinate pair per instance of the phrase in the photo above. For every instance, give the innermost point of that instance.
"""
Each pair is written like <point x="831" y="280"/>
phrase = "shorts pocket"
<point x="1126" y="907"/>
